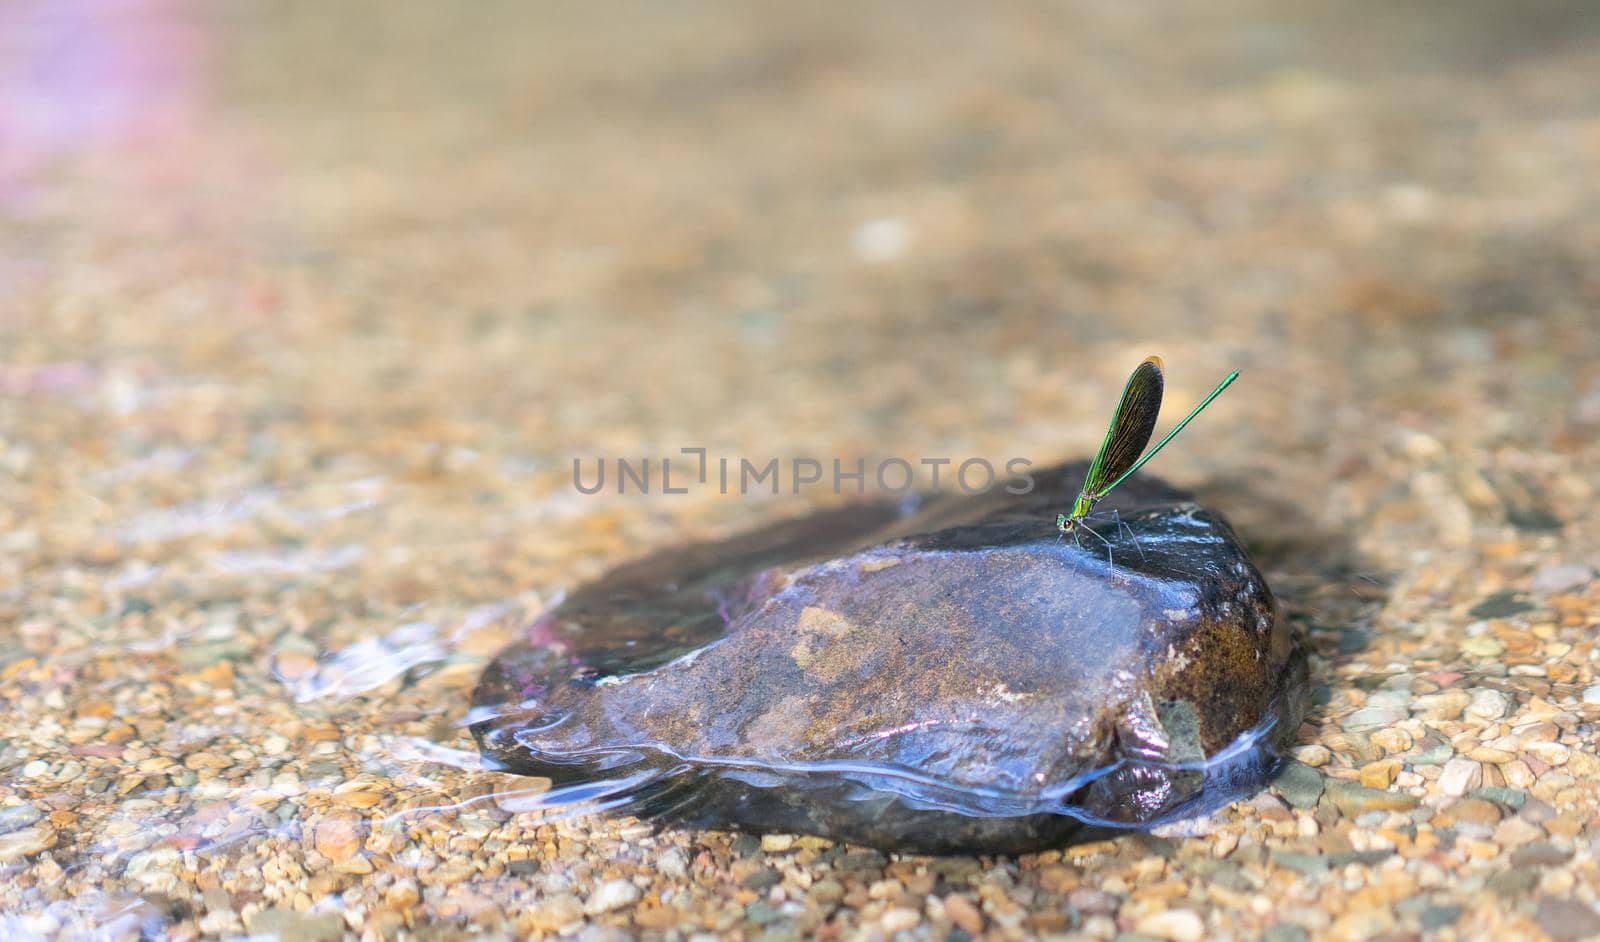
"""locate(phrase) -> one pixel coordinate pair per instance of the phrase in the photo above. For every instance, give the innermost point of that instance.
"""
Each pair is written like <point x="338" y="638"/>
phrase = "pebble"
<point x="1510" y="797"/>
<point x="827" y="892"/>
<point x="1353" y="800"/>
<point x="1514" y="883"/>
<point x="1471" y="810"/>
<point x="1392" y="740"/>
<point x="284" y="923"/>
<point x="338" y="835"/>
<point x="746" y="844"/>
<point x="610" y="895"/>
<point x="1309" y="864"/>
<point x="900" y="919"/>
<point x="403" y="894"/>
<point x="1518" y="775"/>
<point x="16" y="817"/>
<point x="555" y="913"/>
<point x="1374" y="717"/>
<point x="1536" y="811"/>
<point x="1299" y="784"/>
<point x="1314" y="754"/>
<point x="1447" y="704"/>
<point x="1550" y="753"/>
<point x="25" y="842"/>
<point x="1567" y="920"/>
<point x="776" y="843"/>
<point x="149" y="866"/>
<point x="1540" y="854"/>
<point x="1460" y="776"/>
<point x="1379" y="774"/>
<point x="862" y="860"/>
<point x="1563" y="578"/>
<point x="964" y="914"/>
<point x="673" y="863"/>
<point x="1177" y="925"/>
<point x="1515" y="832"/>
<point x="1270" y="807"/>
<point x="1489" y="704"/>
<point x="1436" y="755"/>
<point x="1437" y="917"/>
<point x="1591" y="694"/>
<point x="359" y="799"/>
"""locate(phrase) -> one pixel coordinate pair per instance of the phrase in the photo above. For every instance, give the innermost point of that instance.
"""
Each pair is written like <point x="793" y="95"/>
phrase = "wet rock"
<point x="1299" y="784"/>
<point x="955" y="676"/>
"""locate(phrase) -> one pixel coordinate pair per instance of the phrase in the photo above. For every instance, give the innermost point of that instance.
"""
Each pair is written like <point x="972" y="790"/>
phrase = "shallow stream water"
<point x="305" y="313"/>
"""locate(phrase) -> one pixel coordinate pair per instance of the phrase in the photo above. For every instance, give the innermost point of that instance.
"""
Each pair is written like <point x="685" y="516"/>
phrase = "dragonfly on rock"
<point x="1122" y="452"/>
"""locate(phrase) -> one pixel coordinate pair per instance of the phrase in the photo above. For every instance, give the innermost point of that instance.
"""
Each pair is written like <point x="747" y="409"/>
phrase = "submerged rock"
<point x="950" y="677"/>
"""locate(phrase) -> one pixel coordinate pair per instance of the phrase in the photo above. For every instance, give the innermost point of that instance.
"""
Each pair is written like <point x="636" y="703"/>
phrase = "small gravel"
<point x="610" y="895"/>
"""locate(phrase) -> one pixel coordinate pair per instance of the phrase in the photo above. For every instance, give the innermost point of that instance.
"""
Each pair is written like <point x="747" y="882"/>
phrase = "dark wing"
<point x="1131" y="427"/>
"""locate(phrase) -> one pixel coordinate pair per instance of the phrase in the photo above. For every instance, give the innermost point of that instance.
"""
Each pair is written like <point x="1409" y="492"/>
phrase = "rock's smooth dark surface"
<point x="956" y="677"/>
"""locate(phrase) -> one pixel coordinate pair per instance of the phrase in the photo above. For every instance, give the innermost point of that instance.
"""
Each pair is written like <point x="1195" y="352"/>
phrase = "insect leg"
<point x="1096" y="534"/>
<point x="1131" y="535"/>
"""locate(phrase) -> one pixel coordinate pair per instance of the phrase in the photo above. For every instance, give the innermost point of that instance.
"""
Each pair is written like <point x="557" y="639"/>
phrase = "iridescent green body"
<point x="1122" y="451"/>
